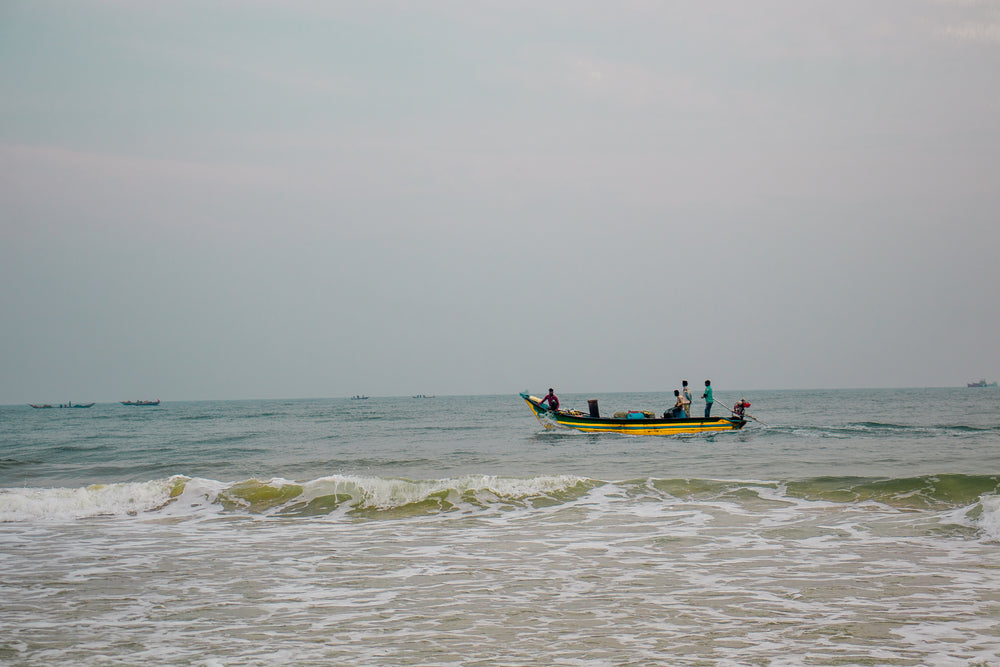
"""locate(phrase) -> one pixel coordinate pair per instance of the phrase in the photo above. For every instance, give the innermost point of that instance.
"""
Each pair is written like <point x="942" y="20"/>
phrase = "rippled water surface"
<point x="840" y="527"/>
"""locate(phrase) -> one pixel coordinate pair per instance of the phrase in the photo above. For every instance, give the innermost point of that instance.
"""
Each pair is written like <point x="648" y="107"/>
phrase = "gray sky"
<point x="216" y="199"/>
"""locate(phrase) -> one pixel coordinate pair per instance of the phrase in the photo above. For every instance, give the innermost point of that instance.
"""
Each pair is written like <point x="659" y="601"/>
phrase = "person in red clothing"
<point x="552" y="400"/>
<point x="741" y="407"/>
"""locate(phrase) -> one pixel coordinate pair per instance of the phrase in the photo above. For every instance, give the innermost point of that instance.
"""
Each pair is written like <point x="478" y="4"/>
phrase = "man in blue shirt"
<point x="708" y="398"/>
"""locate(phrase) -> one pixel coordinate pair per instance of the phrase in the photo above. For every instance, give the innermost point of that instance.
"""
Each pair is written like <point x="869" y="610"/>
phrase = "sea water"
<point x="840" y="527"/>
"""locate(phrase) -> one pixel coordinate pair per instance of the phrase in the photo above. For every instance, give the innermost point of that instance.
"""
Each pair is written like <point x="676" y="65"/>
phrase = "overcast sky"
<point x="223" y="200"/>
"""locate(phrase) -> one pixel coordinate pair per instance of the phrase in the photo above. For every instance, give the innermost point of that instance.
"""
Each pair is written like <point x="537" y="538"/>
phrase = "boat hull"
<point x="645" y="426"/>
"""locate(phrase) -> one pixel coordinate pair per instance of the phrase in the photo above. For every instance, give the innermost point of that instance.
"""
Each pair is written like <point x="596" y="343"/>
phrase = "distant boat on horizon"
<point x="359" y="397"/>
<point x="424" y="396"/>
<point x="982" y="383"/>
<point x="156" y="402"/>
<point x="71" y="404"/>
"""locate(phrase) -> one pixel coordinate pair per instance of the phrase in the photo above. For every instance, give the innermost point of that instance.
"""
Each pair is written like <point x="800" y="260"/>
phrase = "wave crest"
<point x="357" y="496"/>
<point x="96" y="500"/>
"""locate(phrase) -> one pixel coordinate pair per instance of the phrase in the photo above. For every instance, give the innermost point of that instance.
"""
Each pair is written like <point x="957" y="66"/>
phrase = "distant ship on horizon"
<point x="982" y="383"/>
<point x="71" y="404"/>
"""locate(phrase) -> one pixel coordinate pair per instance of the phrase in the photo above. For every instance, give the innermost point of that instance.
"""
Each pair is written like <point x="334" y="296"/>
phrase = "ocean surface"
<point x="846" y="527"/>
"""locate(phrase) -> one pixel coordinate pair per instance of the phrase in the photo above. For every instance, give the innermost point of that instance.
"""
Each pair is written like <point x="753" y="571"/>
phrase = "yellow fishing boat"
<point x="634" y="422"/>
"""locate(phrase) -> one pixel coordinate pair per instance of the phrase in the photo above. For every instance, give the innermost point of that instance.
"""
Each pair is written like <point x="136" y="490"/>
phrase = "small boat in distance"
<point x="359" y="397"/>
<point x="982" y="383"/>
<point x="156" y="402"/>
<point x="71" y="404"/>
<point x="634" y="422"/>
<point x="423" y="396"/>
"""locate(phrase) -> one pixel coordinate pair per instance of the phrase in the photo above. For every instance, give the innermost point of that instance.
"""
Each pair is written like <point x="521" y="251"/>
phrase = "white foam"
<point x="989" y="520"/>
<point x="387" y="493"/>
<point x="199" y="496"/>
<point x="60" y="504"/>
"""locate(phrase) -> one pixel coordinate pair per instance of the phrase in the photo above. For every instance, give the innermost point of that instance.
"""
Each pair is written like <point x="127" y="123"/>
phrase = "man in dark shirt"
<point x="552" y="400"/>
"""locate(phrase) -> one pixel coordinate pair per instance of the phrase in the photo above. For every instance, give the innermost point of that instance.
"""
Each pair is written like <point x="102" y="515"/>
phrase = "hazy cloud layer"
<point x="218" y="200"/>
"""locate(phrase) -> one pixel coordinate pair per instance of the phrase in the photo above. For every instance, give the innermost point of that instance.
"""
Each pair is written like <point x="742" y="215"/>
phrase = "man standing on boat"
<point x="552" y="400"/>
<point x="708" y="398"/>
<point x="686" y="395"/>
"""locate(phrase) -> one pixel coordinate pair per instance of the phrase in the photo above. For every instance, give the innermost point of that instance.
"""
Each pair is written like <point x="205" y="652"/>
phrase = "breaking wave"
<point x="374" y="497"/>
<point x="966" y="499"/>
